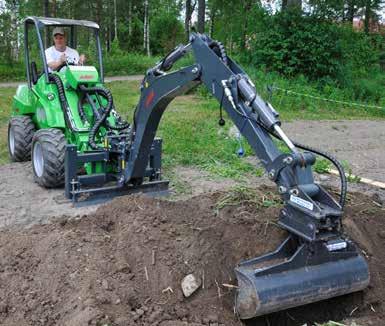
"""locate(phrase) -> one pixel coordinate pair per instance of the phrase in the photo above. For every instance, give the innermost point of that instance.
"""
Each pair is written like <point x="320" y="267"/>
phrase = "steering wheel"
<point x="64" y="64"/>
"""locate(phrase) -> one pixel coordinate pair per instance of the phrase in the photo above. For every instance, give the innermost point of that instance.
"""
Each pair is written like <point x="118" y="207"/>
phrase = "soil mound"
<point x="123" y="265"/>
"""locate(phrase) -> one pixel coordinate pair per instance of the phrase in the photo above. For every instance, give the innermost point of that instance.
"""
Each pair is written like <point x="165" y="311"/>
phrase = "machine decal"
<point x="301" y="202"/>
<point x="86" y="77"/>
<point x="149" y="98"/>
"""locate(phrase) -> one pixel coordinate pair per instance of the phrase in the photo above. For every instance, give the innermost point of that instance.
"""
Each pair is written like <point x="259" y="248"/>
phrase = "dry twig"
<point x="219" y="289"/>
<point x="146" y="273"/>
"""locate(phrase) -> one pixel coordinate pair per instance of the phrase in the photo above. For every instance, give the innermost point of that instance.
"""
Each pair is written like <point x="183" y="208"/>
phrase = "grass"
<point x="292" y="107"/>
<point x="5" y="108"/>
<point x="190" y="129"/>
<point x="191" y="133"/>
<point x="245" y="195"/>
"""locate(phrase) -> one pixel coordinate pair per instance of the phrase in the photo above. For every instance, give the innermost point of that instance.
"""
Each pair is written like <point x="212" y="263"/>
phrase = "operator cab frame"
<point x="39" y="23"/>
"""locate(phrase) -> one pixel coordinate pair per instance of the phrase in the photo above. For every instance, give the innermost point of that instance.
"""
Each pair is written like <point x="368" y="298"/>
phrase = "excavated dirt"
<point x="123" y="264"/>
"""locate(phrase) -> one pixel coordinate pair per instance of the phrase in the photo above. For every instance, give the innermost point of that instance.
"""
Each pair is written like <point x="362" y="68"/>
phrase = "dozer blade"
<point x="297" y="274"/>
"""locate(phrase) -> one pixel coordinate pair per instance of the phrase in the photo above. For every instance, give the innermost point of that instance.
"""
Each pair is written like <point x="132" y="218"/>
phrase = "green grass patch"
<point x="5" y="109"/>
<point x="245" y="195"/>
<point x="292" y="106"/>
<point x="322" y="166"/>
<point x="190" y="132"/>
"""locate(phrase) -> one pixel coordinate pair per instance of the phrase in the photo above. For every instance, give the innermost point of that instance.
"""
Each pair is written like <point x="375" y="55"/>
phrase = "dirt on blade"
<point x="123" y="264"/>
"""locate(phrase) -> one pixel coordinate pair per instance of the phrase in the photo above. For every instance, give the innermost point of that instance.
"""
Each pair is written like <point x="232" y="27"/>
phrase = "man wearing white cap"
<point x="58" y="54"/>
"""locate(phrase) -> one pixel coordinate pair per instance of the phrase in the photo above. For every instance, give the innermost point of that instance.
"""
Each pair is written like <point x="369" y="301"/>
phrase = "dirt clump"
<point x="123" y="265"/>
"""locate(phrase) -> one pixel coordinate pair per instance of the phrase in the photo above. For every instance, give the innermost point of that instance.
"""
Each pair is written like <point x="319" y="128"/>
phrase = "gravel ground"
<point x="360" y="143"/>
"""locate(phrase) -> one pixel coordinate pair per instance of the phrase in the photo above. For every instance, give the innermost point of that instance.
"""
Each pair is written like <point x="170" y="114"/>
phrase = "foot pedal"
<point x="296" y="274"/>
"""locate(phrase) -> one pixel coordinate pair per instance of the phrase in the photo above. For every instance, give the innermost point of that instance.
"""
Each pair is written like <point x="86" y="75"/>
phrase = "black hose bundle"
<point x="328" y="156"/>
<point x="95" y="128"/>
<point x="82" y="114"/>
<point x="63" y="100"/>
<point x="220" y="50"/>
<point x="334" y="161"/>
<point x="120" y="126"/>
<point x="100" y="119"/>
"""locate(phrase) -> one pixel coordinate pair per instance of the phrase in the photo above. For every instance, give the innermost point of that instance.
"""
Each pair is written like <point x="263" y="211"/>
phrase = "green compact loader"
<point x="69" y="113"/>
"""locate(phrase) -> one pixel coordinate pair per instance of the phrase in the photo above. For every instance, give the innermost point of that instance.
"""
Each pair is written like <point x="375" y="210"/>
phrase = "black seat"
<point x="34" y="75"/>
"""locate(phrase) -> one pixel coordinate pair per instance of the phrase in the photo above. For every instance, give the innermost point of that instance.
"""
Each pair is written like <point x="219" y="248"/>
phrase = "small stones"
<point x="324" y="177"/>
<point x="139" y="312"/>
<point x="105" y="284"/>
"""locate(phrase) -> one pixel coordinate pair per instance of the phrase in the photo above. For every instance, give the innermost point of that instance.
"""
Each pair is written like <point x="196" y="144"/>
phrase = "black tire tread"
<point x="24" y="129"/>
<point x="53" y="145"/>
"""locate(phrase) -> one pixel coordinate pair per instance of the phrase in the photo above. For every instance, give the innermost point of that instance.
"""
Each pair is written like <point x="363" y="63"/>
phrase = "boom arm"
<point x="309" y="211"/>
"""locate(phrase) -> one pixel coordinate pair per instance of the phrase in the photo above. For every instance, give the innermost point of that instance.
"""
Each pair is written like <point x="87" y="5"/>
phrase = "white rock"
<point x="190" y="284"/>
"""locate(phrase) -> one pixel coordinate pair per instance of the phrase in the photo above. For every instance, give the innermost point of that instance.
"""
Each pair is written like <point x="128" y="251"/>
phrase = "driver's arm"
<point x="56" y="64"/>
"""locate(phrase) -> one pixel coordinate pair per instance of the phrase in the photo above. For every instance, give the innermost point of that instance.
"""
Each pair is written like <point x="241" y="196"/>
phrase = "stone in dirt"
<point x="190" y="284"/>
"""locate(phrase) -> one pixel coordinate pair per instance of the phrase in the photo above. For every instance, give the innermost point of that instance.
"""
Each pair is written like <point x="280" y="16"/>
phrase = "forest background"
<point x="330" y="48"/>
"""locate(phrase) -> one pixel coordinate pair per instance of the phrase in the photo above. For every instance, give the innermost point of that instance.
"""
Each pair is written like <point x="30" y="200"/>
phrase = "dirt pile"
<point x="123" y="265"/>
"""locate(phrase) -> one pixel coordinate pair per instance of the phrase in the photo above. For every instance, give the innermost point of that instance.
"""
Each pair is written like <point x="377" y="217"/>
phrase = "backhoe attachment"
<point x="297" y="274"/>
<point x="317" y="261"/>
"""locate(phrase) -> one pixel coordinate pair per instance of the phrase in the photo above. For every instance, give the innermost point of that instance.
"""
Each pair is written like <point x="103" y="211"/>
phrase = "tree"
<point x="146" y="29"/>
<point x="115" y="22"/>
<point x="201" y="15"/>
<point x="290" y="4"/>
<point x="190" y="7"/>
<point x="371" y="7"/>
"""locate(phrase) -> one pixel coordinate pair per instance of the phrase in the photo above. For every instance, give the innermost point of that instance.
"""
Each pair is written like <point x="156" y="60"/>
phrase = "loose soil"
<point x="123" y="264"/>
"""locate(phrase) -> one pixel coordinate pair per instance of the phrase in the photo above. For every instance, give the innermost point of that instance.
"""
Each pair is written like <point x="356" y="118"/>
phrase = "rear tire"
<point x="48" y="151"/>
<point x="20" y="133"/>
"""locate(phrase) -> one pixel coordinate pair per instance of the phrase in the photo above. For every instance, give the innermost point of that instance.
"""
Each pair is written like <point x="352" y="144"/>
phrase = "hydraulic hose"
<point x="331" y="158"/>
<point x="120" y="126"/>
<point x="82" y="114"/>
<point x="328" y="156"/>
<point x="95" y="128"/>
<point x="63" y="101"/>
<point x="100" y="119"/>
<point x="221" y="51"/>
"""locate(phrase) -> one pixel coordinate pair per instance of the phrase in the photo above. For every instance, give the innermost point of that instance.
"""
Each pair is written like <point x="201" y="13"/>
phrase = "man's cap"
<point x="58" y="30"/>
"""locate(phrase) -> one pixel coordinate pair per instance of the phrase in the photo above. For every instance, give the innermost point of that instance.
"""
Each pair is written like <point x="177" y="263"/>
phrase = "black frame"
<point x="41" y="22"/>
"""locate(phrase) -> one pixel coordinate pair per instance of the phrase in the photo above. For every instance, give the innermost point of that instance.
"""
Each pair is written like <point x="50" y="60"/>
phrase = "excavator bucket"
<point x="297" y="274"/>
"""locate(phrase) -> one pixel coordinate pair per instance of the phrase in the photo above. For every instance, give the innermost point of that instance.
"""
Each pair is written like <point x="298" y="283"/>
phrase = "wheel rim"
<point x="38" y="159"/>
<point x="11" y="141"/>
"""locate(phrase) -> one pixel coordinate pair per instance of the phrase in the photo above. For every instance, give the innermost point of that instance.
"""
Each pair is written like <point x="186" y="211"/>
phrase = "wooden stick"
<point x="219" y="289"/>
<point x="146" y="273"/>
<point x="231" y="286"/>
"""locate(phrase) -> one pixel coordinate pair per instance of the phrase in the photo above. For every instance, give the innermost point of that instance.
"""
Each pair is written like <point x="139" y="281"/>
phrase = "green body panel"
<point x="76" y="75"/>
<point x="24" y="101"/>
<point x="42" y="103"/>
<point x="48" y="113"/>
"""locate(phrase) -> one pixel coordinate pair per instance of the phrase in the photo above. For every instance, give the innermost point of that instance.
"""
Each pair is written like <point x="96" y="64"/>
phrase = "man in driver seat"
<point x="58" y="54"/>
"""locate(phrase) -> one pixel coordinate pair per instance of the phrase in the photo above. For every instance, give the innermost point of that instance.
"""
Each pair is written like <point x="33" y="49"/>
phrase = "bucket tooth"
<point x="297" y="274"/>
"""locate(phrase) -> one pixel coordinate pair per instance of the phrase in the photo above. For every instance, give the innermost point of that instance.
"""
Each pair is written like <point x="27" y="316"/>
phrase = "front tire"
<point x="20" y="133"/>
<point x="48" y="151"/>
